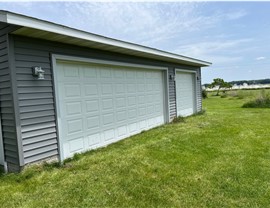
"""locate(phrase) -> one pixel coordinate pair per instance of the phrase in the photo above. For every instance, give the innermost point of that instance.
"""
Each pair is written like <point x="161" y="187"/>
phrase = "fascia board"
<point x="34" y="23"/>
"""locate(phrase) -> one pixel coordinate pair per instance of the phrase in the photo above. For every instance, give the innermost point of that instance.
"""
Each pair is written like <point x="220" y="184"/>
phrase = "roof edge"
<point x="31" y="22"/>
<point x="3" y="16"/>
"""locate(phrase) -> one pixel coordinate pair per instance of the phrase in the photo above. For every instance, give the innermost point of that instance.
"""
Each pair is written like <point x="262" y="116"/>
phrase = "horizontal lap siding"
<point x="36" y="102"/>
<point x="36" y="98"/>
<point x="199" y="91"/>
<point x="6" y="101"/>
<point x="172" y="95"/>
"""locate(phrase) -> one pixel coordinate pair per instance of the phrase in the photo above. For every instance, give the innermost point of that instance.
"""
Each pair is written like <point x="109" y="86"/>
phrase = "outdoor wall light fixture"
<point x="38" y="72"/>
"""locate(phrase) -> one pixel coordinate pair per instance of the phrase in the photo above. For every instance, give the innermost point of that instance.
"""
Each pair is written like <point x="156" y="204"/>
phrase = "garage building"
<point x="65" y="91"/>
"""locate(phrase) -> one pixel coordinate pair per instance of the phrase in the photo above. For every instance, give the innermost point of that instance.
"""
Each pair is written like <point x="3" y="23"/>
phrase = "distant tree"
<point x="219" y="83"/>
<point x="227" y="85"/>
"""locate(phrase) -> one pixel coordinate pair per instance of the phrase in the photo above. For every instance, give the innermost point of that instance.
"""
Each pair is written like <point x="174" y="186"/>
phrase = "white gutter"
<point x="25" y="21"/>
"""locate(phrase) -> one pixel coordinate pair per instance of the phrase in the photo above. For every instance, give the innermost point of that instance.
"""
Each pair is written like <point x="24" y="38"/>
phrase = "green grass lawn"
<point x="219" y="159"/>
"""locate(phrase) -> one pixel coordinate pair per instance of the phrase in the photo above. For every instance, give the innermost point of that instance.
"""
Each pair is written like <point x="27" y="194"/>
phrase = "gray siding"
<point x="172" y="94"/>
<point x="36" y="98"/>
<point x="36" y="102"/>
<point x="199" y="91"/>
<point x="7" y="103"/>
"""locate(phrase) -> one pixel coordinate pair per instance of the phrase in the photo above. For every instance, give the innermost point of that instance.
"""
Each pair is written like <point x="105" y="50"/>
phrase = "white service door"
<point x="99" y="105"/>
<point x="185" y="93"/>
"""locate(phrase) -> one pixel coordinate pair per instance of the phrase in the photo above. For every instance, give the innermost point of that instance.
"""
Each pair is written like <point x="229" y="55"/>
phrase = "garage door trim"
<point x="2" y="155"/>
<point x="195" y="87"/>
<point x="57" y="57"/>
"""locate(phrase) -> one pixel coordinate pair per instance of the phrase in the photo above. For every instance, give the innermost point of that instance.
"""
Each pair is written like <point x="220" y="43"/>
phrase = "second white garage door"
<point x="98" y="104"/>
<point x="185" y="93"/>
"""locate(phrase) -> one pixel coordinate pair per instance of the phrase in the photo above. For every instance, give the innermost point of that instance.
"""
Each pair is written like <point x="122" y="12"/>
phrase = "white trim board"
<point x="105" y="62"/>
<point x="2" y="154"/>
<point x="186" y="70"/>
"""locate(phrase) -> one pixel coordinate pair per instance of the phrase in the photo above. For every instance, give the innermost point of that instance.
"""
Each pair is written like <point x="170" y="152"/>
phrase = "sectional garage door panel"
<point x="185" y="93"/>
<point x="99" y="104"/>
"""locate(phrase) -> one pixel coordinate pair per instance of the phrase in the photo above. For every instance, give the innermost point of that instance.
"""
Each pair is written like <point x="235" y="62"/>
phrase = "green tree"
<point x="220" y="83"/>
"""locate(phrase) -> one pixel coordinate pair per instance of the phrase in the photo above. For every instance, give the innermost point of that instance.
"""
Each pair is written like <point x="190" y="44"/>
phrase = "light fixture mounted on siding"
<point x="38" y="72"/>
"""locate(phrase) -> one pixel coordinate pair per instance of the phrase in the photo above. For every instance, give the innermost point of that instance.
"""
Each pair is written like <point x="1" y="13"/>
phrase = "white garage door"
<point x="99" y="104"/>
<point x="185" y="93"/>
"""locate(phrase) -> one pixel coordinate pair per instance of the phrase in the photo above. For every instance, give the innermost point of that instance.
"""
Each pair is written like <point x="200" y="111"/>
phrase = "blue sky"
<point x="234" y="36"/>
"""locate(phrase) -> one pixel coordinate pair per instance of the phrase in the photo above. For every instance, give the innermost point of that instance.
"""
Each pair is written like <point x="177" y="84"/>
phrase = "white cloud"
<point x="236" y="15"/>
<point x="144" y="23"/>
<point x="147" y="23"/>
<point x="214" y="45"/>
<point x="219" y="52"/>
<point x="260" y="58"/>
<point x="151" y="24"/>
<point x="174" y="26"/>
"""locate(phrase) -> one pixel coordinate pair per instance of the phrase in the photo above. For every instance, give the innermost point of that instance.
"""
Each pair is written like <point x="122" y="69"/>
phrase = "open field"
<point x="219" y="159"/>
<point x="255" y="98"/>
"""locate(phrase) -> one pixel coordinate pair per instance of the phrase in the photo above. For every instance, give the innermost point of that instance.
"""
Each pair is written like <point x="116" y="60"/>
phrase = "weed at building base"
<point x="179" y="119"/>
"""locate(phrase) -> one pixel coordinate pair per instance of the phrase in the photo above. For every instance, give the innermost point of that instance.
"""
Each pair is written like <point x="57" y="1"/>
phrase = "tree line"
<point x="249" y="82"/>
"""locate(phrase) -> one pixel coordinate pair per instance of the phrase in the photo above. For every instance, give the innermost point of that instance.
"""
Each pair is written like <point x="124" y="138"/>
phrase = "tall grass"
<point x="259" y="98"/>
<point x="242" y="94"/>
<point x="262" y="100"/>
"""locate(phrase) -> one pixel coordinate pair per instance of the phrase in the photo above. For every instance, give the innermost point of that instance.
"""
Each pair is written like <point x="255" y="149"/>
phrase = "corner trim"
<point x="166" y="95"/>
<point x="13" y="79"/>
<point x="2" y="148"/>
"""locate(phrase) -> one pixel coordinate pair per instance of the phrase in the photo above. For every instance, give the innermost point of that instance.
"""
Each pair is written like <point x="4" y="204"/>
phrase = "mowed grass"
<point x="219" y="159"/>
